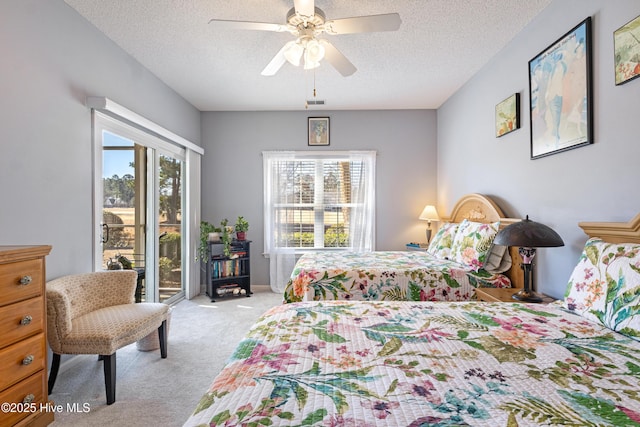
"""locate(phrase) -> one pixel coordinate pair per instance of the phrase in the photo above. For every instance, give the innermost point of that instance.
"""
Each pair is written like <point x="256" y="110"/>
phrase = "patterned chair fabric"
<point x="96" y="313"/>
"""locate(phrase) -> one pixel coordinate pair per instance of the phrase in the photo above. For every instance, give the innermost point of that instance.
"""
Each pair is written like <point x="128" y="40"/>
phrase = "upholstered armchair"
<point x="95" y="313"/>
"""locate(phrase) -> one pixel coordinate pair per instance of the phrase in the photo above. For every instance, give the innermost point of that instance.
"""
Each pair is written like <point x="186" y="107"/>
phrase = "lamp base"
<point x="527" y="296"/>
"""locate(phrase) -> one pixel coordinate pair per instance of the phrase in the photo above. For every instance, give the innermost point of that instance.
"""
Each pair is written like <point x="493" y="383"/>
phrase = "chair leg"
<point x="110" y="376"/>
<point x="55" y="365"/>
<point x="162" y="337"/>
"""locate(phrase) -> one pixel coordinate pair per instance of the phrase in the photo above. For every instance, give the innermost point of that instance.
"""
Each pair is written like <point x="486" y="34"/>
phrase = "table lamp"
<point x="528" y="235"/>
<point x="429" y="213"/>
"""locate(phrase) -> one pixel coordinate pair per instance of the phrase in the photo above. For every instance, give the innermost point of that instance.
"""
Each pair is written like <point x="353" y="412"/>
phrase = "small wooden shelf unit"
<point x="229" y="275"/>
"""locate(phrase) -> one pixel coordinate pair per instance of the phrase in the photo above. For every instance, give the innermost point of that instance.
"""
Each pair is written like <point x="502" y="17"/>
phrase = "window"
<point x="319" y="200"/>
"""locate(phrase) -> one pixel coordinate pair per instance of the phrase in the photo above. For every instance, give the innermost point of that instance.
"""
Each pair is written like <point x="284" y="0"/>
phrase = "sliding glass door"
<point x="123" y="221"/>
<point x="139" y="207"/>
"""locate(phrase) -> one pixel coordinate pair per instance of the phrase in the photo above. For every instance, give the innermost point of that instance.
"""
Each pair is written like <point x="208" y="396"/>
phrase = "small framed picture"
<point x="318" y="130"/>
<point x="508" y="115"/>
<point x="626" y="51"/>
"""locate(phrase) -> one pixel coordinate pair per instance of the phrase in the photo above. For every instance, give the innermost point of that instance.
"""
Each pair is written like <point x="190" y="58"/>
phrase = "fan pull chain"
<point x="314" y="87"/>
<point x="306" y="103"/>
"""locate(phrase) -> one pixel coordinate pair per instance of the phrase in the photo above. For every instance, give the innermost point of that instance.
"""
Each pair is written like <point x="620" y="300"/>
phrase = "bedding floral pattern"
<point x="373" y="363"/>
<point x="472" y="243"/>
<point x="605" y="286"/>
<point x="385" y="275"/>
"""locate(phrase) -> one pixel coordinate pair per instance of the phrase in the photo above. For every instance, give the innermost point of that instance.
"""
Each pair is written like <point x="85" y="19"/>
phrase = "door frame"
<point x="190" y="201"/>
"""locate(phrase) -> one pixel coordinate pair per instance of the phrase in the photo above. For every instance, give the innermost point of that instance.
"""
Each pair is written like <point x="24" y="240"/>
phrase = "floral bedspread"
<point x="373" y="363"/>
<point x="385" y="276"/>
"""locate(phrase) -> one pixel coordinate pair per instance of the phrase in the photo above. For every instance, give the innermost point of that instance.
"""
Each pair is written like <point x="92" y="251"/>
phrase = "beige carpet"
<point x="160" y="392"/>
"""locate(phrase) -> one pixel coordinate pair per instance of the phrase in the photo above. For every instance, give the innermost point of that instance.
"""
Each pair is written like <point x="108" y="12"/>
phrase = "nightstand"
<point x="504" y="295"/>
<point x="417" y="246"/>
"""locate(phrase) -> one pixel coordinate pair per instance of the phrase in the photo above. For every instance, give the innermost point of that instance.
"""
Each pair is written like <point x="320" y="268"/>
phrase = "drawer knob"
<point x="28" y="360"/>
<point x="28" y="398"/>
<point x="25" y="280"/>
<point x="26" y="320"/>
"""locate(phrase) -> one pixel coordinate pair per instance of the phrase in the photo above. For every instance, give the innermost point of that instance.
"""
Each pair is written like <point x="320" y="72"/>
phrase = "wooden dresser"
<point x="23" y="339"/>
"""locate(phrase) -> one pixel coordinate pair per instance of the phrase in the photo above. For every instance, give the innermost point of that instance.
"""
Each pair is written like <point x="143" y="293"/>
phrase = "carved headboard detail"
<point x="479" y="208"/>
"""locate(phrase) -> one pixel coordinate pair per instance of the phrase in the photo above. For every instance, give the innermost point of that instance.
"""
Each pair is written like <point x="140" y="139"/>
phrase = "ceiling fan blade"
<point x="337" y="59"/>
<point x="304" y="7"/>
<point x="364" y="24"/>
<point x="277" y="62"/>
<point x="247" y="25"/>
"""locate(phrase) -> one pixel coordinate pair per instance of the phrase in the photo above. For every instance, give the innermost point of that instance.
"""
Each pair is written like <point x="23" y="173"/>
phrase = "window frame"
<point x="364" y="205"/>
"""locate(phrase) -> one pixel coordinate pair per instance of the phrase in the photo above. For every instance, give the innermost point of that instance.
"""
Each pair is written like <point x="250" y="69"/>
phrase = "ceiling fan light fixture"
<point x="293" y="53"/>
<point x="306" y="22"/>
<point x="310" y="65"/>
<point x="314" y="51"/>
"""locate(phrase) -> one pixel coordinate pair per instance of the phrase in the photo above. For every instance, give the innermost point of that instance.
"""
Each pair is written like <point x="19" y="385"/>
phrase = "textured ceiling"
<point x="440" y="45"/>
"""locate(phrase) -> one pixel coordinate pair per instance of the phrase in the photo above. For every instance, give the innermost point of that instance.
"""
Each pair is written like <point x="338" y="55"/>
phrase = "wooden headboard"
<point x="480" y="208"/>
<point x="614" y="232"/>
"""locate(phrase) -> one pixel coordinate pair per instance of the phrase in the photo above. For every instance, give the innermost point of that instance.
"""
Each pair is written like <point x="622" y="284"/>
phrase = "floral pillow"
<point x="440" y="245"/>
<point x="473" y="242"/>
<point x="605" y="286"/>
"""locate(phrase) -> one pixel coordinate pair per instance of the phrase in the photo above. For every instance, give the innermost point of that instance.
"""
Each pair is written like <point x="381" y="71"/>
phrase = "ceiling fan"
<point x="306" y="22"/>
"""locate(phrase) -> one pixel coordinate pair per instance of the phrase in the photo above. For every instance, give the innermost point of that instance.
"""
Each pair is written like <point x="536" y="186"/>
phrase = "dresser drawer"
<point x="21" y="280"/>
<point x="31" y="390"/>
<point x="20" y="320"/>
<point x="21" y="360"/>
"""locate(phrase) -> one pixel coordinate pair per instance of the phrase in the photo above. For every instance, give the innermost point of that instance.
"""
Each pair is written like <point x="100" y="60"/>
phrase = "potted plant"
<point x="207" y="234"/>
<point x="226" y="236"/>
<point x="241" y="227"/>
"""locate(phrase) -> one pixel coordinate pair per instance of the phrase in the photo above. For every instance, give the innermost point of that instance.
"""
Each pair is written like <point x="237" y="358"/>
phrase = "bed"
<point x="391" y="363"/>
<point x="431" y="275"/>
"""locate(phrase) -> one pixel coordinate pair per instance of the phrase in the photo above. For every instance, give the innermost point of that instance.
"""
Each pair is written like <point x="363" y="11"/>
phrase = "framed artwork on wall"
<point x="318" y="130"/>
<point x="508" y="115"/>
<point x="626" y="51"/>
<point x="560" y="89"/>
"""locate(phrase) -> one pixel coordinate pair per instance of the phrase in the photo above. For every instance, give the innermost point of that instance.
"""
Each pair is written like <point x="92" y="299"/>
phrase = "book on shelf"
<point x="227" y="268"/>
<point x="417" y="245"/>
<point x="229" y="285"/>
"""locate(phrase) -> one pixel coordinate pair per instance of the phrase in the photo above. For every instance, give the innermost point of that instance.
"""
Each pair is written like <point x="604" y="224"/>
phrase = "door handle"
<point x="105" y="233"/>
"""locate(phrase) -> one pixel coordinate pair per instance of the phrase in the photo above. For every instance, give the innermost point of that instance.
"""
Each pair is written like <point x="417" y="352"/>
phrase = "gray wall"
<point x="406" y="166"/>
<point x="51" y="60"/>
<point x="598" y="182"/>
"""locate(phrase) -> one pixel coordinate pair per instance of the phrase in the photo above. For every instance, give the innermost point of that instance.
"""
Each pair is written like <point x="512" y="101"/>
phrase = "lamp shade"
<point x="314" y="51"/>
<point x="293" y="53"/>
<point x="529" y="234"/>
<point x="429" y="213"/>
